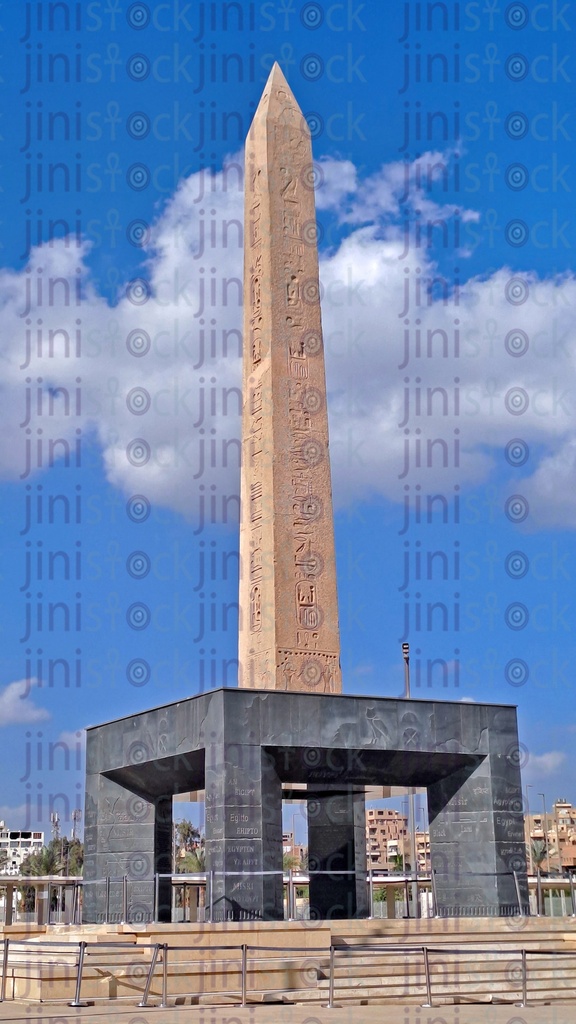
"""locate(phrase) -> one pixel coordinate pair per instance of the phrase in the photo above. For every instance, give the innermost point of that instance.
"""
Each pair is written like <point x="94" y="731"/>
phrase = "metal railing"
<point x="121" y="899"/>
<point x="243" y="957"/>
<point x="60" y="897"/>
<point x="77" y="955"/>
<point x="48" y="956"/>
<point x="291" y="881"/>
<point x="428" y="951"/>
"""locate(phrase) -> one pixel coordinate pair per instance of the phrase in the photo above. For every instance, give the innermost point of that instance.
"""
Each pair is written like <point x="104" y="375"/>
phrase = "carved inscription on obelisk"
<point x="289" y="636"/>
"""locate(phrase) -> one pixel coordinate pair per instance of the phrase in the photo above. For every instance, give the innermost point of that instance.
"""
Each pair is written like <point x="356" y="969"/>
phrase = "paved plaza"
<point x="104" y="1013"/>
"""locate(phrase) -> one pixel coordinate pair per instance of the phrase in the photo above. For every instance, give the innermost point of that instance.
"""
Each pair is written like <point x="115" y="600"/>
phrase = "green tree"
<point x="62" y="856"/>
<point x="47" y="861"/>
<point x="189" y="853"/>
<point x="186" y="839"/>
<point x="290" y="862"/>
<point x="192" y="862"/>
<point x="73" y="854"/>
<point x="186" y="835"/>
<point x="539" y="853"/>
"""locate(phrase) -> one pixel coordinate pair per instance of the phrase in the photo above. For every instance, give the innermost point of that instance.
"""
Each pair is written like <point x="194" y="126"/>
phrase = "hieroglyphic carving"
<point x="256" y="561"/>
<point x="255" y="423"/>
<point x="256" y="427"/>
<point x="256" y="608"/>
<point x="287" y="546"/>
<point x="256" y="501"/>
<point x="309" y="615"/>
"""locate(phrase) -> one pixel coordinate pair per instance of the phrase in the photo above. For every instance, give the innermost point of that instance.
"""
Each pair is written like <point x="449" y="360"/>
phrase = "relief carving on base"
<point x="315" y="672"/>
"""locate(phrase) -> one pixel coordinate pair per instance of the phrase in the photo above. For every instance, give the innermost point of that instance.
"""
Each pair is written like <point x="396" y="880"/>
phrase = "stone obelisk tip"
<point x="277" y="97"/>
<point x="276" y="76"/>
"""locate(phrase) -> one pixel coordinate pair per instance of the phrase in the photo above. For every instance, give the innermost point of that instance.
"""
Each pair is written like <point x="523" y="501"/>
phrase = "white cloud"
<point x="15" y="817"/>
<point x="337" y="182"/>
<point x="544" y="764"/>
<point x="75" y="739"/>
<point x="16" y="705"/>
<point x="479" y="391"/>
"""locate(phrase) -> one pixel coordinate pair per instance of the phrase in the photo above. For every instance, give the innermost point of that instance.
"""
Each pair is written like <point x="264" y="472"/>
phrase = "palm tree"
<point x="290" y="862"/>
<point x="186" y="836"/>
<point x="539" y="853"/>
<point x="191" y="862"/>
<point x="47" y="861"/>
<point x="194" y="860"/>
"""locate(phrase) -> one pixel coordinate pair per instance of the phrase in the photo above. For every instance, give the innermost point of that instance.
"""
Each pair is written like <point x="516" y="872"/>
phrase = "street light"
<point x="411" y="810"/>
<point x="545" y="829"/>
<point x="530" y="858"/>
<point x="557" y="823"/>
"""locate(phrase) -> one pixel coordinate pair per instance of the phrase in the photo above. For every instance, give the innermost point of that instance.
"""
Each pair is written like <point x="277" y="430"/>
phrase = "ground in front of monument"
<point x="389" y="1014"/>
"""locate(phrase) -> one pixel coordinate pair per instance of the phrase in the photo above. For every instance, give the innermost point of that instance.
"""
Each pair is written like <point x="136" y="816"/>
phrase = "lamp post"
<point x="557" y="824"/>
<point x="411" y="811"/>
<point x="545" y="830"/>
<point x="530" y="858"/>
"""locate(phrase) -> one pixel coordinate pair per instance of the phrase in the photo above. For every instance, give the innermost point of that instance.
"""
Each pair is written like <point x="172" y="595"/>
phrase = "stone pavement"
<point x="111" y="1013"/>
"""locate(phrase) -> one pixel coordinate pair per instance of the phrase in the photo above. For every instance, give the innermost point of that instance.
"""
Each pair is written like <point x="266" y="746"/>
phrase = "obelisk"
<point x="289" y="636"/>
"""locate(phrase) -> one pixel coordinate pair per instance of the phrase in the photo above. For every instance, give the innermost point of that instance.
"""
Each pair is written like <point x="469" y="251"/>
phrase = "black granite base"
<point x="337" y="852"/>
<point x="241" y="745"/>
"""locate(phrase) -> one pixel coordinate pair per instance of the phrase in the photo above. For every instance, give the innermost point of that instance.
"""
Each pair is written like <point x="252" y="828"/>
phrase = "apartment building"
<point x="15" y="846"/>
<point x="551" y="838"/>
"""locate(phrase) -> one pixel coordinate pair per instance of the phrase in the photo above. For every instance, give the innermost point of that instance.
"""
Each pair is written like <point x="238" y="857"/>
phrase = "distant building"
<point x="17" y="845"/>
<point x="385" y="831"/>
<point x="422" y="851"/>
<point x="388" y="841"/>
<point x="290" y="848"/>
<point x="551" y="838"/>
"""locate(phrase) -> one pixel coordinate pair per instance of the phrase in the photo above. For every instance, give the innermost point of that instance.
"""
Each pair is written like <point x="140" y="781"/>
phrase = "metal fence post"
<point x="407" y="897"/>
<point x="572" y="895"/>
<point x="524" y="980"/>
<point x="124" y="899"/>
<point x="107" y="899"/>
<point x="164" y="975"/>
<point x="76" y="1001"/>
<point x="244" y="972"/>
<point x="156" y="896"/>
<point x="75" y="903"/>
<point x="330" y="1003"/>
<point x="518" y="897"/>
<point x="154" y="958"/>
<point x="211" y="903"/>
<point x="4" y="970"/>
<point x="428" y="981"/>
<point x="540" y="908"/>
<point x="371" y="891"/>
<point x="290" y="900"/>
<point x="434" y="897"/>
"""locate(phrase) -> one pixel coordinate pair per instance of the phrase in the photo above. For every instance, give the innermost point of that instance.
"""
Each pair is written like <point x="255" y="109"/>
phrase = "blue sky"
<point x="442" y="139"/>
